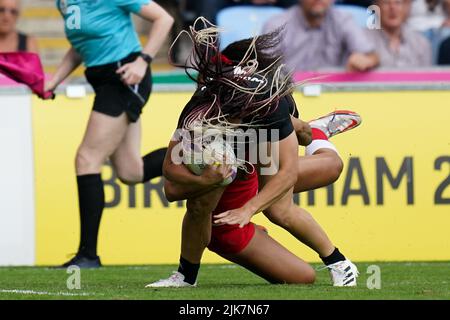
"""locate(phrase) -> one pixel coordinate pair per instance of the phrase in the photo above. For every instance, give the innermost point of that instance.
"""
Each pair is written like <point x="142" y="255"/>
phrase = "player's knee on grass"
<point x="309" y="276"/>
<point x="301" y="275"/>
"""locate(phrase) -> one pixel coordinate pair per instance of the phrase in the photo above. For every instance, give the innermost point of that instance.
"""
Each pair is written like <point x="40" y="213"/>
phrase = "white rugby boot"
<point x="176" y="280"/>
<point x="343" y="273"/>
<point x="336" y="122"/>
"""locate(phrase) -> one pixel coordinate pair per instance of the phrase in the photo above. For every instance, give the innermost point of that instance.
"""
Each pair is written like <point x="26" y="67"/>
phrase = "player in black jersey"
<point x="275" y="111"/>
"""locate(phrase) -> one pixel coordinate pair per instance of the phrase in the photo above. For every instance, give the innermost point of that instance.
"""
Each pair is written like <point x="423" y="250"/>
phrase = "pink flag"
<point x="26" y="68"/>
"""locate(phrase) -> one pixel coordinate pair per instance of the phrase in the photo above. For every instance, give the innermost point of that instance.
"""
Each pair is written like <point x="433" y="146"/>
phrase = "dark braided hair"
<point x="245" y="80"/>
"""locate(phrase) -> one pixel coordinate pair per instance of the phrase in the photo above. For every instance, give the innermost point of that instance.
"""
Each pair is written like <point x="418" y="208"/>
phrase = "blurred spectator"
<point x="438" y="35"/>
<point x="10" y="39"/>
<point x="425" y="14"/>
<point x="397" y="44"/>
<point x="316" y="35"/>
<point x="444" y="53"/>
<point x="210" y="8"/>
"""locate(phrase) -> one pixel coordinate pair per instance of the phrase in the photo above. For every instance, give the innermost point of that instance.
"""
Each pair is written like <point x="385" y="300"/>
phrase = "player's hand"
<point x="240" y="216"/>
<point x="303" y="131"/>
<point x="132" y="73"/>
<point x="215" y="174"/>
<point x="50" y="86"/>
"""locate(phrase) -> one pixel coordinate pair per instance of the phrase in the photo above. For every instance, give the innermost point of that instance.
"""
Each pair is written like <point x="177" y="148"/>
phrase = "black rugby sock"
<point x="188" y="270"/>
<point x="153" y="163"/>
<point x="91" y="199"/>
<point x="334" y="257"/>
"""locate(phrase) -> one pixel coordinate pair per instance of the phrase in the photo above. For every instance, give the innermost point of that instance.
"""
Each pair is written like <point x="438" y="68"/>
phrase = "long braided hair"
<point x="244" y="81"/>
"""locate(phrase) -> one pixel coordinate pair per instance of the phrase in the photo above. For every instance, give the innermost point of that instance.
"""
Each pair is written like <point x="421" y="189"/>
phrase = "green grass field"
<point x="402" y="280"/>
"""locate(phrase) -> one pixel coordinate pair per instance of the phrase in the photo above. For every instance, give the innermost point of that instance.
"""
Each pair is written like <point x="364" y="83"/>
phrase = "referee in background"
<point x="103" y="37"/>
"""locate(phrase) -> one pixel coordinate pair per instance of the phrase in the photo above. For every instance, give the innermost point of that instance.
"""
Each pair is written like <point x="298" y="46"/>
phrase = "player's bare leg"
<point x="318" y="170"/>
<point x="269" y="259"/>
<point x="297" y="221"/>
<point x="196" y="232"/>
<point x="320" y="167"/>
<point x="195" y="237"/>
<point x="302" y="226"/>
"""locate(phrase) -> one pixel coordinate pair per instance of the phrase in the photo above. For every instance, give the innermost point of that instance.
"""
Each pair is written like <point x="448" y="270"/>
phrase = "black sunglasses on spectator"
<point x="13" y="12"/>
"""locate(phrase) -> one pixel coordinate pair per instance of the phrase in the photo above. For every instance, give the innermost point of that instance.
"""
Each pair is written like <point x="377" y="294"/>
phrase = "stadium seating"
<point x="241" y="22"/>
<point x="360" y="14"/>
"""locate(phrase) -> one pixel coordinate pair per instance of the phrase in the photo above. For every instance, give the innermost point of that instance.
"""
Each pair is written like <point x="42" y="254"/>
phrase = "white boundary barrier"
<point x="17" y="206"/>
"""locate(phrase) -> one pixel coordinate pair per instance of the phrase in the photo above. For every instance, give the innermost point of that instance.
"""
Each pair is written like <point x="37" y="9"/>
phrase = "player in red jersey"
<point x="251" y="246"/>
<point x="222" y="92"/>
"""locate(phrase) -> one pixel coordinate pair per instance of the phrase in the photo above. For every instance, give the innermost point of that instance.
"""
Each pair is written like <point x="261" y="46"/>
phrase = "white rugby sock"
<point x="319" y="144"/>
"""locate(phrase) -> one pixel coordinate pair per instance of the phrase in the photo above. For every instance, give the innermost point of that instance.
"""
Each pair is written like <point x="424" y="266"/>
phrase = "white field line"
<point x="45" y="293"/>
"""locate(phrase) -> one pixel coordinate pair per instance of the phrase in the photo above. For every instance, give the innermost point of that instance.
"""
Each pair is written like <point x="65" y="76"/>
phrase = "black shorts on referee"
<point x="112" y="96"/>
